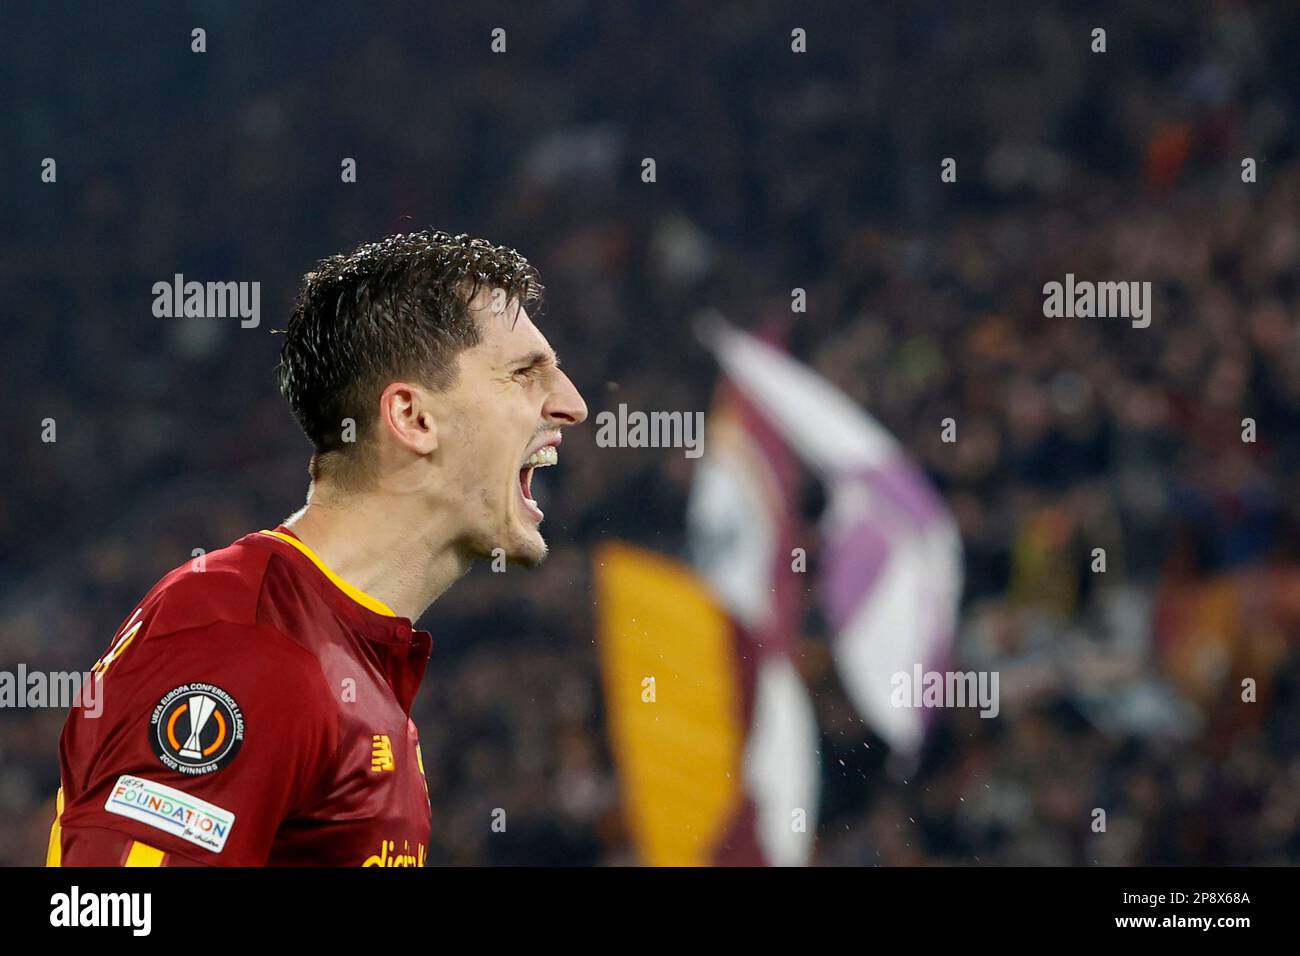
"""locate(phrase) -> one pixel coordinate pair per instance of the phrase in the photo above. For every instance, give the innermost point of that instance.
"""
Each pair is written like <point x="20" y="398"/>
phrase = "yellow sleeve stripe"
<point x="143" y="855"/>
<point x="358" y="595"/>
<point x="54" y="855"/>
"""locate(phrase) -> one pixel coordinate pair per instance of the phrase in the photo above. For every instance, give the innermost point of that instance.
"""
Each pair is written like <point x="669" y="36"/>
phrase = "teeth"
<point x="543" y="457"/>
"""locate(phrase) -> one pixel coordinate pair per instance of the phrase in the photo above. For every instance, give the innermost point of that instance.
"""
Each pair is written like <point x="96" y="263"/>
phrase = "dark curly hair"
<point x="392" y="309"/>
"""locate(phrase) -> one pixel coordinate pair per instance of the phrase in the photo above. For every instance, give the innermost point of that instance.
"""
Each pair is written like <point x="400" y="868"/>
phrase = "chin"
<point x="530" y="552"/>
<point x="523" y="546"/>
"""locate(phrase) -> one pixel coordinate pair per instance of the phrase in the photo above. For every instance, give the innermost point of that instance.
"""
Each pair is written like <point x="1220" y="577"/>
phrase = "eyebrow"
<point x="534" y="359"/>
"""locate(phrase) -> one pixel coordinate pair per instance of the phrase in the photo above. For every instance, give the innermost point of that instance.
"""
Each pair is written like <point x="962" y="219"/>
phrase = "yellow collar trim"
<point x="358" y="595"/>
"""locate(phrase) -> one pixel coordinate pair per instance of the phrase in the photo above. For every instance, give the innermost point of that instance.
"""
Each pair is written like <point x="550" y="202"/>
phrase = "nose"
<point x="564" y="406"/>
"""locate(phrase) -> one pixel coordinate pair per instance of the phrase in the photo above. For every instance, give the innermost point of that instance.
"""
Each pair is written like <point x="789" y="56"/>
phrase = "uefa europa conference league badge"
<point x="196" y="729"/>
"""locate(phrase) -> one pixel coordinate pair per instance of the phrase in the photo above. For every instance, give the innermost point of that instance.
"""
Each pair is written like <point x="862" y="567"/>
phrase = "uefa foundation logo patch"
<point x="196" y="729"/>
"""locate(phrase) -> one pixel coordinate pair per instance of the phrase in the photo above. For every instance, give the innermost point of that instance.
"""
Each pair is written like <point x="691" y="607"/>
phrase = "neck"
<point x="378" y="543"/>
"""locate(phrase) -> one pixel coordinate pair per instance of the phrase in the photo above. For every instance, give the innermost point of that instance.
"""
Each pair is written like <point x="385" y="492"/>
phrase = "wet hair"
<point x="389" y="310"/>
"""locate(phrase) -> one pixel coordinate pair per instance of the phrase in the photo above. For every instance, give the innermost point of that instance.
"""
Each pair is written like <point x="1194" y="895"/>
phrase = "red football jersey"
<point x="255" y="711"/>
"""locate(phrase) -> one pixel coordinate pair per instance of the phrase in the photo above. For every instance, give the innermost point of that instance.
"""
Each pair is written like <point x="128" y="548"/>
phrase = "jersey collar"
<point x="356" y="594"/>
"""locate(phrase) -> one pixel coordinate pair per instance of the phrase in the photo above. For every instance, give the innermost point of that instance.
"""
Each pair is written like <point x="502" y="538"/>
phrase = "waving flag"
<point x="712" y="727"/>
<point x="742" y="527"/>
<point x="713" y="730"/>
<point x="890" y="568"/>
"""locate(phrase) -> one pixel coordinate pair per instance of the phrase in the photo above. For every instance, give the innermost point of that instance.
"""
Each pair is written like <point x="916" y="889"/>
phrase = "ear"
<point x="406" y="414"/>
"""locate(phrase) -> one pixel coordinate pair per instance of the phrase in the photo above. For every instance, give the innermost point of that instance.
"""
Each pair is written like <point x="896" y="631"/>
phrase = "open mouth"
<point x="545" y="456"/>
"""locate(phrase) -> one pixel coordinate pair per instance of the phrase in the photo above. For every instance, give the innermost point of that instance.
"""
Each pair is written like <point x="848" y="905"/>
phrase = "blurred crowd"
<point x="1122" y="688"/>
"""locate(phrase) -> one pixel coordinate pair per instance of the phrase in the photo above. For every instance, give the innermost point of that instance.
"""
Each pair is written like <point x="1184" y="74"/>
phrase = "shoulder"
<point x="224" y="586"/>
<point x="216" y="615"/>
<point x="251" y="584"/>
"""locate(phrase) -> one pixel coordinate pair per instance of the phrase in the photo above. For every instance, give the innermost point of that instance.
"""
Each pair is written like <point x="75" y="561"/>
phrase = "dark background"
<point x="775" y="170"/>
